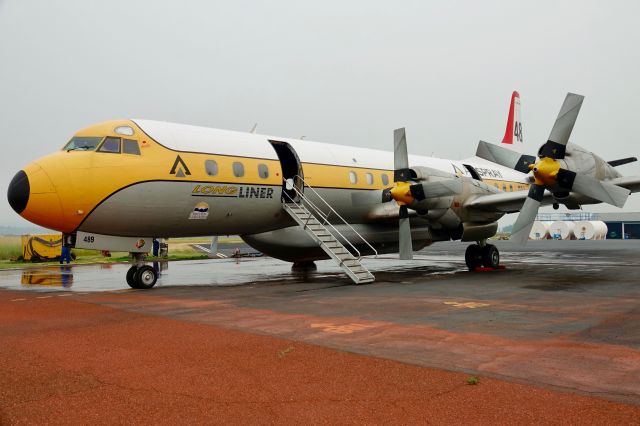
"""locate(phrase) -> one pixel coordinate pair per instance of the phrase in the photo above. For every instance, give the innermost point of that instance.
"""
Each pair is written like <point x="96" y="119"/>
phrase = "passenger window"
<point x="353" y="177"/>
<point x="238" y="169"/>
<point x="369" y="178"/>
<point x="263" y="171"/>
<point x="504" y="187"/>
<point x="130" y="146"/>
<point x="110" y="144"/>
<point x="511" y="188"/>
<point x="211" y="167"/>
<point x="385" y="179"/>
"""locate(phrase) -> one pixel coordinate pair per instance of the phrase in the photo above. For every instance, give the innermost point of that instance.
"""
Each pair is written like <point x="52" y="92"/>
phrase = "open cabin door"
<point x="291" y="170"/>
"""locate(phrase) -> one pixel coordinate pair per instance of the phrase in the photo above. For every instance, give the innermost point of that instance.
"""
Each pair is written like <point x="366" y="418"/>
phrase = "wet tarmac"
<point x="564" y="315"/>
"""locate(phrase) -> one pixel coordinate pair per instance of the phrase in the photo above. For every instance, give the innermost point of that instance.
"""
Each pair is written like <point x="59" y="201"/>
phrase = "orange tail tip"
<point x="513" y="131"/>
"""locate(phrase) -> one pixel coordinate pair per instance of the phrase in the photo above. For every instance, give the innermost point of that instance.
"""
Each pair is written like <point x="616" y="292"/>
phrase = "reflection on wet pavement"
<point x="439" y="259"/>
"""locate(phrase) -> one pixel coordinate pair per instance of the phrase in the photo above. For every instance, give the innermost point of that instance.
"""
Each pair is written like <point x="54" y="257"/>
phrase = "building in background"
<point x="621" y="225"/>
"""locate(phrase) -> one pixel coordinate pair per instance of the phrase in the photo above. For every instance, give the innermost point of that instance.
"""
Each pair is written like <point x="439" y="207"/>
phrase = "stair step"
<point x="310" y="223"/>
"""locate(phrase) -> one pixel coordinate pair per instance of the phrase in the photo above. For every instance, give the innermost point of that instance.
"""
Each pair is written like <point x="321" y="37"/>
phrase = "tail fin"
<point x="513" y="134"/>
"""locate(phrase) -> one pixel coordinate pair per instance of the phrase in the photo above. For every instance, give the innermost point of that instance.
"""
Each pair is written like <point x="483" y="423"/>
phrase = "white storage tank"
<point x="562" y="230"/>
<point x="591" y="230"/>
<point x="540" y="231"/>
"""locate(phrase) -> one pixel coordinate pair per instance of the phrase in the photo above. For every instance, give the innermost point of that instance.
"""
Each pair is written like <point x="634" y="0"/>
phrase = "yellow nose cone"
<point x="402" y="193"/>
<point x="545" y="171"/>
<point x="43" y="207"/>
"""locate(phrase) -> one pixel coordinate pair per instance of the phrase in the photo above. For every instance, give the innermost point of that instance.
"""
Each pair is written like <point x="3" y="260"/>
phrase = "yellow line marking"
<point x="65" y="295"/>
<point x="43" y="297"/>
<point x="470" y="305"/>
<point x="340" y="329"/>
<point x="18" y="300"/>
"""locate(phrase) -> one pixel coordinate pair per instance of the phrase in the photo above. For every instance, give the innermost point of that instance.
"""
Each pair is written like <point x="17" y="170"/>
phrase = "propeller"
<point x="549" y="174"/>
<point x="409" y="190"/>
<point x="401" y="192"/>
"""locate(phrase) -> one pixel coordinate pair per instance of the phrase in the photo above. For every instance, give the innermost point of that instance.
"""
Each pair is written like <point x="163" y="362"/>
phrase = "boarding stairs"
<point x="317" y="225"/>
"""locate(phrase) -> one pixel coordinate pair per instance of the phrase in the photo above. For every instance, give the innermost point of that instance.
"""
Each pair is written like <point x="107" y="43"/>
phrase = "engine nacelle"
<point x="584" y="162"/>
<point x="424" y="174"/>
<point x="478" y="231"/>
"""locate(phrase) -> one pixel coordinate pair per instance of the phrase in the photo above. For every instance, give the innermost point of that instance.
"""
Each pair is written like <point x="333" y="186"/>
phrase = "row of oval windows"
<point x="211" y="168"/>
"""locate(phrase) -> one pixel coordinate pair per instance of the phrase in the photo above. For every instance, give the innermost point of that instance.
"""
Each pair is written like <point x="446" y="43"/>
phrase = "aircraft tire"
<point x="473" y="257"/>
<point x="490" y="256"/>
<point x="145" y="277"/>
<point x="130" y="276"/>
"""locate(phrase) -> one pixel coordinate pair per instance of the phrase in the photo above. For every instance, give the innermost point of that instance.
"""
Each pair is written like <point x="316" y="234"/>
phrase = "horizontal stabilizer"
<point x="620" y="162"/>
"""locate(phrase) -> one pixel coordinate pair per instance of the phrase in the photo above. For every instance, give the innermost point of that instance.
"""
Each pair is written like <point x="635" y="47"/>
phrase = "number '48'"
<point x="517" y="131"/>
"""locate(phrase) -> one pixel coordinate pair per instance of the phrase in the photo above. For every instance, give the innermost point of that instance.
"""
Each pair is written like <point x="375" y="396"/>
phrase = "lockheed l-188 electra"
<point x="119" y="184"/>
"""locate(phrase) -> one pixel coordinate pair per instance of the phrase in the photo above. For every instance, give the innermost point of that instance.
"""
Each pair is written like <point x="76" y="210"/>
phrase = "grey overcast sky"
<point x="345" y="72"/>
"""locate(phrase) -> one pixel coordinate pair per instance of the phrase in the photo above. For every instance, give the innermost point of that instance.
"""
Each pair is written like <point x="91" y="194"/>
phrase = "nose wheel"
<point x="142" y="277"/>
<point x="486" y="255"/>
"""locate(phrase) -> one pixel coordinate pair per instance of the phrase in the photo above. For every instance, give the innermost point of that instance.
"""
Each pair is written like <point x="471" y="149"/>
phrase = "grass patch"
<point x="282" y="354"/>
<point x="473" y="380"/>
<point x="10" y="247"/>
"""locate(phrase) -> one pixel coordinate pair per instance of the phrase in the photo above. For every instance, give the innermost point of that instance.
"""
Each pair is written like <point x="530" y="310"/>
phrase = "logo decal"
<point x="215" y="190"/>
<point x="140" y="243"/>
<point x="179" y="168"/>
<point x="200" y="211"/>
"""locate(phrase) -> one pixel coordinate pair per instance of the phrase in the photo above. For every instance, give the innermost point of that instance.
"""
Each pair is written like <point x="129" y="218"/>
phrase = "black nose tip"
<point x="18" y="192"/>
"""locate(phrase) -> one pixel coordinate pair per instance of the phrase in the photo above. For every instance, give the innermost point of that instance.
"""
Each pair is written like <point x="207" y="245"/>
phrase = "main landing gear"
<point x="482" y="254"/>
<point x="141" y="276"/>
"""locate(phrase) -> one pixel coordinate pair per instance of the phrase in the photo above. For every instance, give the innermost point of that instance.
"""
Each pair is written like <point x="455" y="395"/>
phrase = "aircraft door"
<point x="291" y="171"/>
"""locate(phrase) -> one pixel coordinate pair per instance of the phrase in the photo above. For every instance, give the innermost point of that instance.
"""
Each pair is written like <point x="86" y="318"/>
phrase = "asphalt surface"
<point x="563" y="317"/>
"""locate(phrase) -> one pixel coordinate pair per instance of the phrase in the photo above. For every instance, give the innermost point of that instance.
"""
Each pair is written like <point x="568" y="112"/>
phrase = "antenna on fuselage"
<point x="253" y="129"/>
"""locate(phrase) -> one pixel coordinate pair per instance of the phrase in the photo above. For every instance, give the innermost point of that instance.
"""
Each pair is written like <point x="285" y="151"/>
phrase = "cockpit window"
<point x="82" y="143"/>
<point x="129" y="146"/>
<point x="110" y="144"/>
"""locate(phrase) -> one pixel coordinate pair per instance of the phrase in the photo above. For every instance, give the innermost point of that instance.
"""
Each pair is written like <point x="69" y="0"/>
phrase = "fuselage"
<point x="158" y="179"/>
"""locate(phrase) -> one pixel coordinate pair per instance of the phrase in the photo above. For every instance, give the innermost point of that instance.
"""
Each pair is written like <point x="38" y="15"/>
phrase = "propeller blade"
<point x="405" y="245"/>
<point x="601" y="191"/>
<point x="400" y="156"/>
<point x="555" y="147"/>
<point x="386" y="195"/>
<point x="528" y="212"/>
<point x="504" y="156"/>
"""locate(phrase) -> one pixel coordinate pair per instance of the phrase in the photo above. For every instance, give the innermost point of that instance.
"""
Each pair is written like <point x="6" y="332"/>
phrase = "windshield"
<point x="82" y="143"/>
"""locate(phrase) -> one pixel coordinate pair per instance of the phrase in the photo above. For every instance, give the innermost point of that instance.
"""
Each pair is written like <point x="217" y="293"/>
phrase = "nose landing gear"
<point x="141" y="276"/>
<point x="482" y="254"/>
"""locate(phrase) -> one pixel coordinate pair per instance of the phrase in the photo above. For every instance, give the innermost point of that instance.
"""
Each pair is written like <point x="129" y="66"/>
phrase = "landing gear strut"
<point x="482" y="254"/>
<point x="141" y="276"/>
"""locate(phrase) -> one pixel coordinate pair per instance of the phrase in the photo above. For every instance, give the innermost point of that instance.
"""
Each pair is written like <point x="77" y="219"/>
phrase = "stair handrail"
<point x="310" y="214"/>
<point x="325" y="217"/>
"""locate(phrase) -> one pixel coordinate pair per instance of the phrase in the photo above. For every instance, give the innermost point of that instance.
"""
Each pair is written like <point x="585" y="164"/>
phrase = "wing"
<point x="511" y="202"/>
<point x="632" y="183"/>
<point x="506" y="202"/>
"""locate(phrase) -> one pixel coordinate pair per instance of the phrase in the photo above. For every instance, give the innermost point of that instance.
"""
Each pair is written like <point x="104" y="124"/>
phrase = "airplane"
<point x="117" y="185"/>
